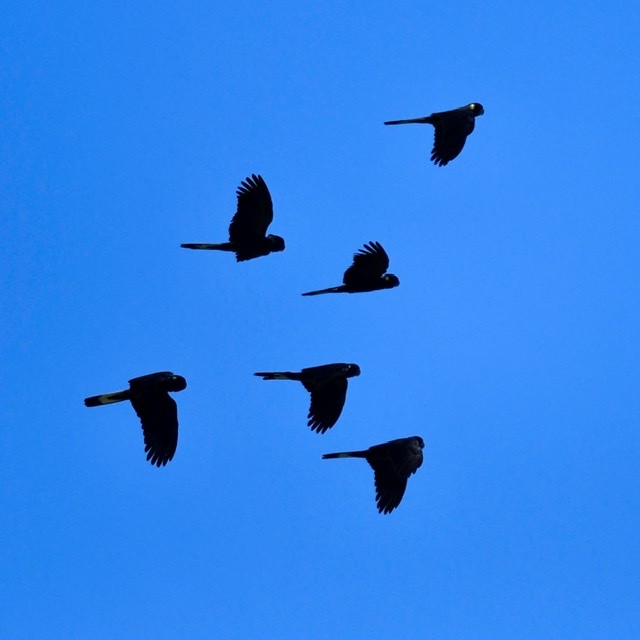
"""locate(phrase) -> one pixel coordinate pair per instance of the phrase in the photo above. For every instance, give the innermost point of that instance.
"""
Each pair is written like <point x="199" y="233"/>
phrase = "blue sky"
<point x="511" y="345"/>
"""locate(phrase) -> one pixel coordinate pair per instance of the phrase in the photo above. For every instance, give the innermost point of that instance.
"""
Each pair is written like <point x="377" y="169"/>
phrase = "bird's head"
<point x="476" y="108"/>
<point x="276" y="242"/>
<point x="390" y="281"/>
<point x="353" y="370"/>
<point x="419" y="441"/>
<point x="176" y="383"/>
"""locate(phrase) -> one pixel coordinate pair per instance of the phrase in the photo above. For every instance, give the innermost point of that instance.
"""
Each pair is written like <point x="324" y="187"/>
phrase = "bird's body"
<point x="367" y="273"/>
<point x="451" y="130"/>
<point x="248" y="228"/>
<point x="393" y="463"/>
<point x="157" y="411"/>
<point x="327" y="385"/>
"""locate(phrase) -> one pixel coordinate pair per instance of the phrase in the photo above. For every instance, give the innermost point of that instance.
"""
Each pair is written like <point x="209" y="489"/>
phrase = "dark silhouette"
<point x="157" y="411"/>
<point x="327" y="385"/>
<point x="392" y="463"/>
<point x="452" y="128"/>
<point x="367" y="273"/>
<point x="249" y="225"/>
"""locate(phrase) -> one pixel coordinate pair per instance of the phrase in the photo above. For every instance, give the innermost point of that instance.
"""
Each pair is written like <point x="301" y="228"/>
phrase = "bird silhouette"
<point x="367" y="273"/>
<point x="327" y="385"/>
<point x="249" y="225"/>
<point x="451" y="130"/>
<point x="157" y="411"/>
<point x="393" y="463"/>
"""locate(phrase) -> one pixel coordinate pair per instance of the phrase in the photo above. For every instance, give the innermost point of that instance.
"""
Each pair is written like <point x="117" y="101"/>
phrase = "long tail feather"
<point x="278" y="375"/>
<point x="345" y="454"/>
<point x="425" y="120"/>
<point x="329" y="290"/>
<point x="106" y="398"/>
<point x="224" y="246"/>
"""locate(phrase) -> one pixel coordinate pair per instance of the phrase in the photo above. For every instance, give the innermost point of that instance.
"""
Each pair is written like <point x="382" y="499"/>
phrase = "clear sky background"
<point x="511" y="345"/>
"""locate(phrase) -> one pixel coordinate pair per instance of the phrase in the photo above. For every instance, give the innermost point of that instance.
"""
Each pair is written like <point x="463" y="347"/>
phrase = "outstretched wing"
<point x="369" y="264"/>
<point x="254" y="212"/>
<point x="451" y="131"/>
<point x="327" y="402"/>
<point x="390" y="489"/>
<point x="158" y="414"/>
<point x="393" y="463"/>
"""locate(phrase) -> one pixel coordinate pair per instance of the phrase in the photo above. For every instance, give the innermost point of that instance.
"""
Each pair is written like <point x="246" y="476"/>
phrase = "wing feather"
<point x="254" y="212"/>
<point x="327" y="402"/>
<point x="158" y="415"/>
<point x="451" y="131"/>
<point x="369" y="264"/>
<point x="393" y="463"/>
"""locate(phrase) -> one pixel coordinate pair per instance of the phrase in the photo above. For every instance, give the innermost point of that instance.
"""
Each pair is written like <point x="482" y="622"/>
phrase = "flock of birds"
<point x="393" y="462"/>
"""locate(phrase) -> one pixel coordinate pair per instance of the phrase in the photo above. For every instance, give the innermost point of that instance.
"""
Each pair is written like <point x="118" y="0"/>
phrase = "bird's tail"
<point x="425" y="120"/>
<point x="223" y="246"/>
<point x="278" y="375"/>
<point x="106" y="398"/>
<point x="329" y="290"/>
<point x="345" y="454"/>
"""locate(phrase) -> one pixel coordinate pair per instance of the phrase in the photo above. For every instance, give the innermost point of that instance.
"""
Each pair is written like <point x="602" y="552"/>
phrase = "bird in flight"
<point x="451" y="130"/>
<point x="156" y="409"/>
<point x="327" y="385"/>
<point x="393" y="463"/>
<point x="367" y="273"/>
<point x="249" y="225"/>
